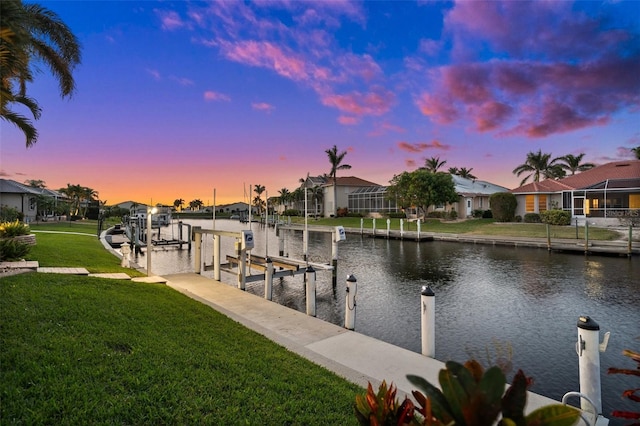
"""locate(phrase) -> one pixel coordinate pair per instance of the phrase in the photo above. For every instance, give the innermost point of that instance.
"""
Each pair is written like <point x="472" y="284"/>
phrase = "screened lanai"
<point x="371" y="199"/>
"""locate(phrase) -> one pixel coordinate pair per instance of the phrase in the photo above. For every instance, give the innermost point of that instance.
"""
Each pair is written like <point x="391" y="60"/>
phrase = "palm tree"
<point x="86" y="196"/>
<point x="335" y="158"/>
<point x="433" y="164"/>
<point x="74" y="193"/>
<point x="539" y="165"/>
<point x="35" y="183"/>
<point x="316" y="196"/>
<point x="257" y="201"/>
<point x="636" y="151"/>
<point x="454" y="171"/>
<point x="284" y="197"/>
<point x="178" y="203"/>
<point x="574" y="163"/>
<point x="30" y="34"/>
<point x="196" y="204"/>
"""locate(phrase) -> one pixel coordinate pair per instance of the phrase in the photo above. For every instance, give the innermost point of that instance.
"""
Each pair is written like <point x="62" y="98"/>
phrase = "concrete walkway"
<point x="353" y="356"/>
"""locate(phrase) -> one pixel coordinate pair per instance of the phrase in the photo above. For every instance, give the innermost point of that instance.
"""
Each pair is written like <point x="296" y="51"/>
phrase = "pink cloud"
<point x="210" y="95"/>
<point x="267" y="55"/>
<point x="262" y="106"/>
<point x="170" y="20"/>
<point x="348" y="120"/>
<point x="155" y="74"/>
<point x="562" y="70"/>
<point x="386" y="127"/>
<point x="419" y="147"/>
<point x="376" y="102"/>
<point x="410" y="163"/>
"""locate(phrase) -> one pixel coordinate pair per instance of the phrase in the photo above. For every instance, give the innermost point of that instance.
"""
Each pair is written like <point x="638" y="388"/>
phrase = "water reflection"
<point x="522" y="298"/>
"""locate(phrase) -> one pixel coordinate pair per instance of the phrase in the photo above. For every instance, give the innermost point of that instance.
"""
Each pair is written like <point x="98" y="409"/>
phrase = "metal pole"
<point x="388" y="228"/>
<point x="401" y="228"/>
<point x="310" y="281"/>
<point x="149" y="245"/>
<point x="334" y="262"/>
<point x="280" y="236"/>
<point x="588" y="350"/>
<point x="418" y="229"/>
<point x="268" y="280"/>
<point x="428" y="322"/>
<point x="350" y="303"/>
<point x="374" y="226"/>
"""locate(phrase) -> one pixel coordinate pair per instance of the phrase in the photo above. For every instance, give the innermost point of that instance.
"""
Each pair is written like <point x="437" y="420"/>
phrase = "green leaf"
<point x="553" y="415"/>
<point x="455" y="395"/>
<point x="439" y="405"/>
<point x="515" y="399"/>
<point x="490" y="391"/>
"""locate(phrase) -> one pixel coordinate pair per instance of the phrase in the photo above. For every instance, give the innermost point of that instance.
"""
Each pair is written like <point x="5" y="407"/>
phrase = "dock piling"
<point x="428" y="321"/>
<point x="350" y="303"/>
<point x="310" y="284"/>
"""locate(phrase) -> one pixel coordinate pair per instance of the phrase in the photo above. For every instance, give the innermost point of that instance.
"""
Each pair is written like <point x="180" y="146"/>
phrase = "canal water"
<point x="520" y="304"/>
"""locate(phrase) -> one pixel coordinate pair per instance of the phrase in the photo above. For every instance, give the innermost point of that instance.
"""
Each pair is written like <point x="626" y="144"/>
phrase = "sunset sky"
<point x="176" y="98"/>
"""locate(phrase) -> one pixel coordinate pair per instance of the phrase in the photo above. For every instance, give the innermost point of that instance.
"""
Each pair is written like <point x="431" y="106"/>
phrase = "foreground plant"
<point x="470" y="396"/>
<point x="13" y="229"/>
<point x="632" y="394"/>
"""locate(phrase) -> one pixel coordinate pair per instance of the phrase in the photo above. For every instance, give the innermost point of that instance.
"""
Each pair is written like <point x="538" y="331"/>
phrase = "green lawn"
<point x="82" y="350"/>
<point x="73" y="250"/>
<point x="471" y="226"/>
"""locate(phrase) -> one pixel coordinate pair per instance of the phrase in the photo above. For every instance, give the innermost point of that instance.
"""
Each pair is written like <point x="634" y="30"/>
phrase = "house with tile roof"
<point x="24" y="198"/>
<point x="344" y="186"/>
<point x="604" y="194"/>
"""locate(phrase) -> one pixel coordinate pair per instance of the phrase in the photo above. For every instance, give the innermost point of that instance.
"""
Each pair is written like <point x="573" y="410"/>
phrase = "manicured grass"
<point x="75" y="251"/>
<point x="82" y="350"/>
<point x="474" y="226"/>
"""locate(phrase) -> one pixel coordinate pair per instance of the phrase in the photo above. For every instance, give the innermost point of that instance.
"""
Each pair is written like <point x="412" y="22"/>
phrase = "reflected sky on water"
<point x="490" y="300"/>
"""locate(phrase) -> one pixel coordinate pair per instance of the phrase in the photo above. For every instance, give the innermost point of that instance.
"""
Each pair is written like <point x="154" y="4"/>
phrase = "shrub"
<point x="13" y="229"/>
<point x="453" y="215"/>
<point x="503" y="206"/>
<point x="532" y="218"/>
<point x="342" y="212"/>
<point x="9" y="214"/>
<point x="518" y="218"/>
<point x="477" y="213"/>
<point x="487" y="214"/>
<point x="13" y="250"/>
<point x="354" y="214"/>
<point x="470" y="396"/>
<point x="291" y="212"/>
<point x="556" y="217"/>
<point x="436" y="214"/>
<point x="397" y="215"/>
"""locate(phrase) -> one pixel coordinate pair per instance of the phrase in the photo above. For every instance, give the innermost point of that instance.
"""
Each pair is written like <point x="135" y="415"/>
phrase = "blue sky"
<point x="177" y="98"/>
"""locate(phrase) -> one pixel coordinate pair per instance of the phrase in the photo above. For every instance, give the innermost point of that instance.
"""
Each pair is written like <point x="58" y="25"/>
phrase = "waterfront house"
<point x="604" y="194"/>
<point x="473" y="195"/>
<point x="25" y="198"/>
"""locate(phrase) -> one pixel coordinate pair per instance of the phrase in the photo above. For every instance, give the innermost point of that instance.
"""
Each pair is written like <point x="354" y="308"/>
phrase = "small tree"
<point x="503" y="206"/>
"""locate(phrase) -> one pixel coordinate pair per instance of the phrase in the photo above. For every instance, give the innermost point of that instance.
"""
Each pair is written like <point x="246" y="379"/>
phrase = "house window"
<point x="634" y="201"/>
<point x="32" y="203"/>
<point x="542" y="203"/>
<point x="530" y="204"/>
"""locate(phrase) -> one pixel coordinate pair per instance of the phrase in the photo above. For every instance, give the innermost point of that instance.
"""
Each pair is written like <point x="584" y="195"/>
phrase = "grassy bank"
<point x="88" y="350"/>
<point x="472" y="226"/>
<point x="80" y="249"/>
<point x="81" y="350"/>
